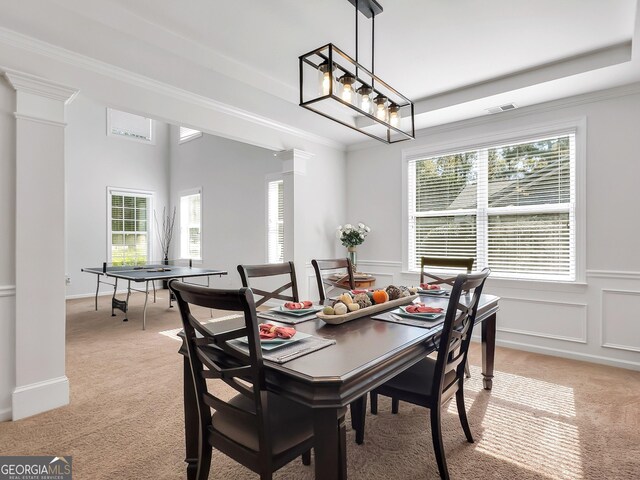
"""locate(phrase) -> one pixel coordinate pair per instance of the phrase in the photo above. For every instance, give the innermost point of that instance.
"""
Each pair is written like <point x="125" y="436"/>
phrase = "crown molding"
<point x="60" y="54"/>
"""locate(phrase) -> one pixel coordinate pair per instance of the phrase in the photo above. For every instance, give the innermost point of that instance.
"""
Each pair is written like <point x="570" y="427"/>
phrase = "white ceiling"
<point x="454" y="59"/>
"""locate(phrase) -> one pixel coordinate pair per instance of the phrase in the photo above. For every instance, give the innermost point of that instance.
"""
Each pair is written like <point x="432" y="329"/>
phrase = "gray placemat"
<point x="288" y="319"/>
<point x="422" y="323"/>
<point x="291" y="351"/>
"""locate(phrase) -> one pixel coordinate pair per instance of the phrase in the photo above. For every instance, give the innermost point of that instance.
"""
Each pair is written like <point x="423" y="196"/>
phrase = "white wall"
<point x="573" y="320"/>
<point x="233" y="176"/>
<point x="7" y="246"/>
<point x="95" y="161"/>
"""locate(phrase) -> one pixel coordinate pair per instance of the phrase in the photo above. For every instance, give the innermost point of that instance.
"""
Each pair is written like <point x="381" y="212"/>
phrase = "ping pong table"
<point x="147" y="274"/>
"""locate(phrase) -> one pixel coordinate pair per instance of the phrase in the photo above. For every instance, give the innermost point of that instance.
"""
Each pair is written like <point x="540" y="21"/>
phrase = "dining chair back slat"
<point x="465" y="263"/>
<point x="271" y="270"/>
<point x="346" y="282"/>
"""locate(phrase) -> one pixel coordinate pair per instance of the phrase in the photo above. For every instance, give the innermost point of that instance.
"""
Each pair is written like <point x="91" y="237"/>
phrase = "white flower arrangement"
<point x="351" y="236"/>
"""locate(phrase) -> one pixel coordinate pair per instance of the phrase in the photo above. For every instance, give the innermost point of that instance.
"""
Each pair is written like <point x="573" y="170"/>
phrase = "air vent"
<point x="502" y="108"/>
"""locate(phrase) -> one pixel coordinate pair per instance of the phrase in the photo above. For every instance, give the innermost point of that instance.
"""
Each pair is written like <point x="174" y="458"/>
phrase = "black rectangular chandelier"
<point x="338" y="87"/>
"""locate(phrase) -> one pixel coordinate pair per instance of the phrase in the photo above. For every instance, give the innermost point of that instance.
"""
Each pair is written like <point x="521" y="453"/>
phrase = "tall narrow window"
<point x="191" y="225"/>
<point x="129" y="231"/>
<point x="511" y="207"/>
<point x="275" y="221"/>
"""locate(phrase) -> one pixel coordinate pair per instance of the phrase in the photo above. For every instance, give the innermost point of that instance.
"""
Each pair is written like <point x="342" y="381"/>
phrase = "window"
<point x="191" y="225"/>
<point x="275" y="221"/>
<point x="129" y="125"/>
<point x="187" y="134"/>
<point x="510" y="206"/>
<point x="129" y="227"/>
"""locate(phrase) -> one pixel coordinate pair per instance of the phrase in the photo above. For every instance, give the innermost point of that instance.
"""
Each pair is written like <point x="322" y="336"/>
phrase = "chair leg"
<point x="374" y="403"/>
<point x="438" y="446"/>
<point x="306" y="458"/>
<point x="395" y="405"/>
<point x="467" y="372"/>
<point x="204" y="463"/>
<point x="462" y="413"/>
<point x="266" y="476"/>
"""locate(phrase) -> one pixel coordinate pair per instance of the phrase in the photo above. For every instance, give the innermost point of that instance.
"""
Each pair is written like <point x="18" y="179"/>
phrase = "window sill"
<point x="528" y="284"/>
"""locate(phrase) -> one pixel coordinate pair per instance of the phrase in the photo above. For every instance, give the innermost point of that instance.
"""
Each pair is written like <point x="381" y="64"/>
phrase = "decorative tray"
<point x="363" y="312"/>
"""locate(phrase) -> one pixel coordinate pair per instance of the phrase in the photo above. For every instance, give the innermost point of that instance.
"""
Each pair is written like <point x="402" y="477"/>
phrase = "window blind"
<point x="191" y="226"/>
<point x="129" y="242"/>
<point x="511" y="207"/>
<point x="275" y="221"/>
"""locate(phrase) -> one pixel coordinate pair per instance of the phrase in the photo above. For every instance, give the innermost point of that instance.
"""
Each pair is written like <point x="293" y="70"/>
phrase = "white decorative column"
<point x="41" y="383"/>
<point x="298" y="208"/>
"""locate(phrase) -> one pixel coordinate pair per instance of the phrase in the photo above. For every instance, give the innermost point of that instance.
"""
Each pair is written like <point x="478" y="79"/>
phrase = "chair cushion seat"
<point x="289" y="423"/>
<point x="418" y="379"/>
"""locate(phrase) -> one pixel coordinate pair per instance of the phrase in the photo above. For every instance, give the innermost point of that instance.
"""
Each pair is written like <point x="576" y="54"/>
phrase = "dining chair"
<point x="333" y="264"/>
<point x="259" y="429"/>
<point x="271" y="270"/>
<point x="430" y="383"/>
<point x="444" y="262"/>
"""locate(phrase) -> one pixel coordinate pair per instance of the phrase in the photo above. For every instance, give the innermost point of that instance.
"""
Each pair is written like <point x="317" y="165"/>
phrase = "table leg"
<point x="330" y="445"/>
<point x="97" y="291"/>
<point x="191" y="424"/>
<point x="488" y="350"/>
<point x="113" y="299"/>
<point x="144" y="310"/>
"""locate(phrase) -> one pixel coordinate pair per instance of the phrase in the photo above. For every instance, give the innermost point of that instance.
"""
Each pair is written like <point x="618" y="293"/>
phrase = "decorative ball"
<point x="405" y="291"/>
<point x="393" y="292"/>
<point x="340" y="308"/>
<point x="362" y="299"/>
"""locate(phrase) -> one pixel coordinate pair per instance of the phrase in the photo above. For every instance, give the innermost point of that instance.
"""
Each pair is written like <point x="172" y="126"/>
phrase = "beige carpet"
<point x="546" y="418"/>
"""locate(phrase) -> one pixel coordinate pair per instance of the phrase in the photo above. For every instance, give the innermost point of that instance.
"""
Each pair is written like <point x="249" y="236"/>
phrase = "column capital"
<point x="294" y="161"/>
<point x="25" y="82"/>
<point x="39" y="99"/>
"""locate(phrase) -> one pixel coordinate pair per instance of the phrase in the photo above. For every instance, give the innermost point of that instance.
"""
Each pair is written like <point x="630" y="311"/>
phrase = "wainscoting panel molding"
<point x="620" y="328"/>
<point x="540" y="319"/>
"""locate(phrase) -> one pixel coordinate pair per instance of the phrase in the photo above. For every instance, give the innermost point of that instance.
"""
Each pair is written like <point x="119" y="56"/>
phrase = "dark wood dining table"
<point x="367" y="353"/>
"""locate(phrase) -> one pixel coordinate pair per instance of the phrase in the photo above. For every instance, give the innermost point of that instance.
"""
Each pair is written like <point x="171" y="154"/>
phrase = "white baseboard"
<point x="5" y="414"/>
<point x="40" y="397"/>
<point x="555" y="352"/>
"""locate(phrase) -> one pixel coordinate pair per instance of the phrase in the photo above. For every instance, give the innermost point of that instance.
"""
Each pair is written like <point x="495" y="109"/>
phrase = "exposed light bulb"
<point x="364" y="97"/>
<point x="381" y="108"/>
<point x="326" y="83"/>
<point x="394" y="115"/>
<point x="325" y="78"/>
<point x="347" y="81"/>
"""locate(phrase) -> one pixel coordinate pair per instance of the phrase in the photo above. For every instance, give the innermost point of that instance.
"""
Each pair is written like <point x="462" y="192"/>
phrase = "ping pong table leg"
<point x="144" y="310"/>
<point x="126" y="302"/>
<point x="153" y="284"/>
<point x="115" y="288"/>
<point x="97" y="291"/>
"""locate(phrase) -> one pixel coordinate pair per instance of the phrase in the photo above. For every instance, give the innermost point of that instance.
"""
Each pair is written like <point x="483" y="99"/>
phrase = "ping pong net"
<point x="158" y="266"/>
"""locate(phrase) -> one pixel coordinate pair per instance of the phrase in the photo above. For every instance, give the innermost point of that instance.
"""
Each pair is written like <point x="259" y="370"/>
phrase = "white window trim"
<point x="183" y="193"/>
<point x="152" y="130"/>
<point x="272" y="177"/>
<point x="574" y="125"/>
<point x="150" y="231"/>
<point x="188" y="138"/>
